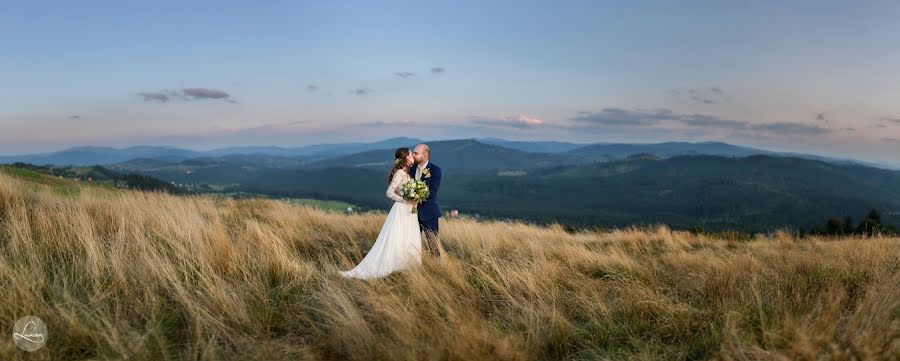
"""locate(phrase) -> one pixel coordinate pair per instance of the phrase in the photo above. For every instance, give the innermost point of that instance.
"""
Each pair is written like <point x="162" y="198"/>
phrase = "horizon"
<point x="290" y="74"/>
<point x="787" y="153"/>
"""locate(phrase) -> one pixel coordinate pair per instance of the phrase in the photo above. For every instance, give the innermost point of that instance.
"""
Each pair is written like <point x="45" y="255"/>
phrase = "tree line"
<point x="870" y="226"/>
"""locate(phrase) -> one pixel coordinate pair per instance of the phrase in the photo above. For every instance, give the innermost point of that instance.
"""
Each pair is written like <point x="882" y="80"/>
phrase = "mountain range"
<point x="754" y="193"/>
<point x="711" y="185"/>
<point x="496" y="153"/>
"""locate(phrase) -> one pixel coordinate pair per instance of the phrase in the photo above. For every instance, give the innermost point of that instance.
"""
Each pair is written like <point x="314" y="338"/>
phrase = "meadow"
<point x="123" y="274"/>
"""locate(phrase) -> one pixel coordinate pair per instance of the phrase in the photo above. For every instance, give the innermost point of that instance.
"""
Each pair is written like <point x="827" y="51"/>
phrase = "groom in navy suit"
<point x="429" y="212"/>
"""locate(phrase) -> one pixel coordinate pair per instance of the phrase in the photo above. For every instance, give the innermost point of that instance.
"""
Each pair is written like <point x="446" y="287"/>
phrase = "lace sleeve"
<point x="396" y="182"/>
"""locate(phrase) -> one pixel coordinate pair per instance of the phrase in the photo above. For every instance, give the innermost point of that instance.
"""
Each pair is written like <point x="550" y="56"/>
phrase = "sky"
<point x="804" y="76"/>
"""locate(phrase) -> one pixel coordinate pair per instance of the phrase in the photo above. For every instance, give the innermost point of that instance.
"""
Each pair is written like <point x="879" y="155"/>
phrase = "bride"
<point x="399" y="244"/>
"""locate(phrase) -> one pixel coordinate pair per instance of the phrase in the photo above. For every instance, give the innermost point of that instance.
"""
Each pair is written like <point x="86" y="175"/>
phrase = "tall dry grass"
<point x="143" y="276"/>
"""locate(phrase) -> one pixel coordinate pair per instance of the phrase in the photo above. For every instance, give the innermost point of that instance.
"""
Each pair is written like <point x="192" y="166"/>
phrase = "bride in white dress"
<point x="399" y="244"/>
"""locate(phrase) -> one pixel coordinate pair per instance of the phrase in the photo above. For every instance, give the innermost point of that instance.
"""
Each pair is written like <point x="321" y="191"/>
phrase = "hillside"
<point x="95" y="175"/>
<point x="120" y="274"/>
<point x="756" y="194"/>
<point x="667" y="149"/>
<point x="86" y="156"/>
<point x="532" y="146"/>
<point x="467" y="154"/>
<point x="91" y="155"/>
<point x="479" y="153"/>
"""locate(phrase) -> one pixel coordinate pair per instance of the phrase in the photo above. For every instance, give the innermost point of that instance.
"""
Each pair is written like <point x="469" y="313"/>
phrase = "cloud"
<point x="515" y="121"/>
<point x="498" y="126"/>
<point x="438" y="70"/>
<point x="387" y="123"/>
<point x="188" y="94"/>
<point x="698" y="97"/>
<point x="175" y="94"/>
<point x="405" y="74"/>
<point x="710" y="95"/>
<point x="312" y="87"/>
<point x="700" y="120"/>
<point x="154" y="96"/>
<point x="790" y="128"/>
<point x="617" y="117"/>
<point x="203" y="93"/>
<point x="361" y="91"/>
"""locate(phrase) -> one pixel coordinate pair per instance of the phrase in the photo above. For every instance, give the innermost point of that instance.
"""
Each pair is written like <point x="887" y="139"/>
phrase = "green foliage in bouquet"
<point x="417" y="191"/>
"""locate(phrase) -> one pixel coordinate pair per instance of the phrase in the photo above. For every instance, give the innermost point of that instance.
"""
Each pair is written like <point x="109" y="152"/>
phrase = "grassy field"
<point x="335" y="206"/>
<point x="120" y="274"/>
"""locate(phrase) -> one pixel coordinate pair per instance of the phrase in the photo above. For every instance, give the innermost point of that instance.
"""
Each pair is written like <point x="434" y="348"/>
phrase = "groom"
<point x="429" y="213"/>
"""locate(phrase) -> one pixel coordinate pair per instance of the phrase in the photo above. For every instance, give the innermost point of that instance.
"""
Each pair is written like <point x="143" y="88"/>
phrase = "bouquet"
<point x="415" y="190"/>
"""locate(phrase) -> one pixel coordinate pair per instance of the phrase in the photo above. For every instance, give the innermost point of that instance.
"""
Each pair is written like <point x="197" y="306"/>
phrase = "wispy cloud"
<point x="619" y="116"/>
<point x="154" y="96"/>
<point x="515" y="121"/>
<point x="204" y="93"/>
<point x="700" y="120"/>
<point x="361" y="91"/>
<point x="312" y="87"/>
<point x="790" y="128"/>
<point x="474" y="123"/>
<point x="438" y="70"/>
<point x="710" y="95"/>
<point x="188" y="94"/>
<point x="174" y="94"/>
<point x="382" y="123"/>
<point x="406" y="74"/>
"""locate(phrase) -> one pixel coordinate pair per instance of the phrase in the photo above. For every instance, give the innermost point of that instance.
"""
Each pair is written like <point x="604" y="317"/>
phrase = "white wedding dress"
<point x="399" y="244"/>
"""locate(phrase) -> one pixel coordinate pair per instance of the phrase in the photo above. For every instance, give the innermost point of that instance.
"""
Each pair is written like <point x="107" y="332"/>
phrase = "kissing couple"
<point x="399" y="244"/>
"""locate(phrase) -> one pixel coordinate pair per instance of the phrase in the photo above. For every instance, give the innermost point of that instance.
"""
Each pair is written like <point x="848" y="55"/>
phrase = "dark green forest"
<point x="754" y="194"/>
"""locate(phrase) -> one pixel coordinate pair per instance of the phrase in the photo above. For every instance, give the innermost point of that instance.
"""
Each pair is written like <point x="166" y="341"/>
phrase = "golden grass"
<point x="147" y="276"/>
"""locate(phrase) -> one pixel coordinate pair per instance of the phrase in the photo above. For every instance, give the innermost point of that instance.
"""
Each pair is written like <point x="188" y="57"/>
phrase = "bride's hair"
<point x="399" y="162"/>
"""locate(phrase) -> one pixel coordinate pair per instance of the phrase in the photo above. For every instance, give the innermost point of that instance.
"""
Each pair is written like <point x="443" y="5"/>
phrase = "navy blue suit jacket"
<point x="429" y="209"/>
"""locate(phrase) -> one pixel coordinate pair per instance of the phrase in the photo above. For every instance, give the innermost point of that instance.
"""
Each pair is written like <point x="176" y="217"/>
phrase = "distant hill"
<point x="90" y="155"/>
<point x="80" y="156"/>
<point x="614" y="151"/>
<point x="498" y="154"/>
<point x="755" y="193"/>
<point x="667" y="149"/>
<point x="318" y="150"/>
<point x="532" y="146"/>
<point x="467" y="154"/>
<point x="98" y="175"/>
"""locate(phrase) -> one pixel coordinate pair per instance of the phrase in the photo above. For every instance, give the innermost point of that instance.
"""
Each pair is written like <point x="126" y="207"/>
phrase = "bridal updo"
<point x="399" y="162"/>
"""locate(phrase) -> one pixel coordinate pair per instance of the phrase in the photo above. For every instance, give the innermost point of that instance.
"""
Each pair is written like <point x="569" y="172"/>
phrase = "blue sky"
<point x="811" y="76"/>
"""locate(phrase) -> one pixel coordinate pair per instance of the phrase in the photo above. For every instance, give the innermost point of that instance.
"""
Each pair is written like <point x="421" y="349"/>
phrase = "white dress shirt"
<point x="419" y="170"/>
